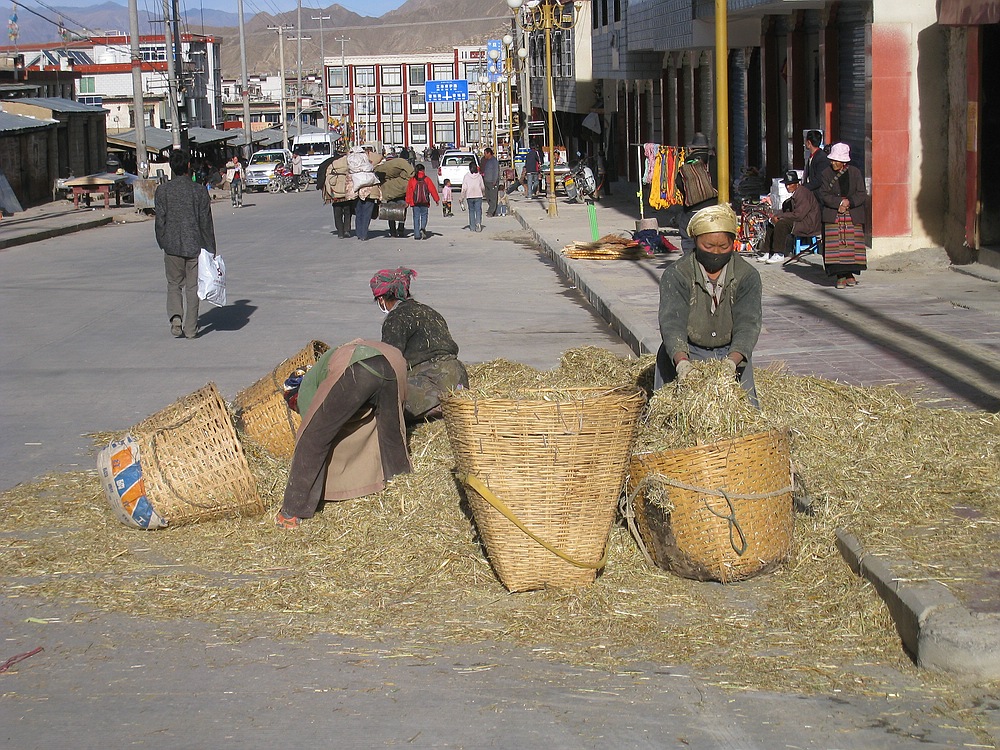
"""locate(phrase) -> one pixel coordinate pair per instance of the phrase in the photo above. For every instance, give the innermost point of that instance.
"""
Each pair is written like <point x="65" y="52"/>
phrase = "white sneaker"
<point x="776" y="258"/>
<point x="763" y="258"/>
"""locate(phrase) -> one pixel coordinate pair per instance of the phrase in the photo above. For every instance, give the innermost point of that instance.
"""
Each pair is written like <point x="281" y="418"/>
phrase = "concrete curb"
<point x="978" y="271"/>
<point x="934" y="626"/>
<point x="620" y="318"/>
<point x="44" y="234"/>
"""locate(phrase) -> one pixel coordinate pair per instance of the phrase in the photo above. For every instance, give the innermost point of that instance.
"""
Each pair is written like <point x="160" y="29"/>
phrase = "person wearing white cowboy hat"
<point x="710" y="304"/>
<point x="844" y="201"/>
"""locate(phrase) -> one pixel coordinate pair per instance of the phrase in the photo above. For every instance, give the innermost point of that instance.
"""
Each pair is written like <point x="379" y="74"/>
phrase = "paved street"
<point x="87" y="348"/>
<point x="88" y="345"/>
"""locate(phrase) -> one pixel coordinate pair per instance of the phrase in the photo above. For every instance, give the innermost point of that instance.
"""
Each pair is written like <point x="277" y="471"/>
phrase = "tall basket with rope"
<point x="718" y="512"/>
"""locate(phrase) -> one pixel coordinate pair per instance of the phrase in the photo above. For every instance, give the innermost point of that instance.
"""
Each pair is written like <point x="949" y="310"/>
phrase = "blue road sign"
<point x="446" y="91"/>
<point x="494" y="68"/>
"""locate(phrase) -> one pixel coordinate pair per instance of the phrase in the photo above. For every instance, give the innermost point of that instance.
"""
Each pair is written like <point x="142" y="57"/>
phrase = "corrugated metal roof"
<point x="10" y="123"/>
<point x="208" y="136"/>
<point x="270" y="137"/>
<point x="157" y="139"/>
<point x="59" y="104"/>
<point x="239" y="137"/>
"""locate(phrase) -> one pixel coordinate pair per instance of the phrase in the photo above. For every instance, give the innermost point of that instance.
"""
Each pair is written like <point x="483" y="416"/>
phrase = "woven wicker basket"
<point x="555" y="467"/>
<point x="261" y="411"/>
<point x="704" y="535"/>
<point x="193" y="465"/>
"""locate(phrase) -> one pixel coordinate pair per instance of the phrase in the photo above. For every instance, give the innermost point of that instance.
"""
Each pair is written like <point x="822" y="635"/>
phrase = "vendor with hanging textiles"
<point x="352" y="439"/>
<point x="710" y="303"/>
<point x="695" y="183"/>
<point x="421" y="334"/>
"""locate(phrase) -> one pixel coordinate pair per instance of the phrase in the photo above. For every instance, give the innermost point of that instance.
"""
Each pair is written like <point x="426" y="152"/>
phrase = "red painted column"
<point x="892" y="71"/>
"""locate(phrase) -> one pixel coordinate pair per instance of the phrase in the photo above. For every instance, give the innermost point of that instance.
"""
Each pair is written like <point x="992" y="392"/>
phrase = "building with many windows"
<point x="381" y="98"/>
<point x="265" y="101"/>
<point x="104" y="69"/>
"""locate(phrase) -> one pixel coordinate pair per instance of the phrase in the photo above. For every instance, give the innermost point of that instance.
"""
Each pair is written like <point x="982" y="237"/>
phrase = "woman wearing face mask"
<point x="421" y="334"/>
<point x="710" y="303"/>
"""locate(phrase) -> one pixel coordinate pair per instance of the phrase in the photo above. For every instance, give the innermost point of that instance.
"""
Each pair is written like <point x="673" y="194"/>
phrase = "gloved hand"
<point x="731" y="364"/>
<point x="684" y="368"/>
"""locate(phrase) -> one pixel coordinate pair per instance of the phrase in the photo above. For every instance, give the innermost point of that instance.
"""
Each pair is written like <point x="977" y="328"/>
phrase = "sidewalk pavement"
<point x="913" y="321"/>
<point x="56" y="219"/>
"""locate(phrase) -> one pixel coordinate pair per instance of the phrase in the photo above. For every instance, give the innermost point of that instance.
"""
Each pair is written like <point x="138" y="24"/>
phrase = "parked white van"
<point x="314" y="148"/>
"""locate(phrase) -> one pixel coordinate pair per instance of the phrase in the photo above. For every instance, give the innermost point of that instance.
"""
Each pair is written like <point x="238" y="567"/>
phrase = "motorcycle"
<point x="283" y="181"/>
<point x="580" y="183"/>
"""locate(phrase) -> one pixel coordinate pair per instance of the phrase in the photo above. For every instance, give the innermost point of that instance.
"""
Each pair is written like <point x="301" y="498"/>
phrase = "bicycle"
<point x="755" y="216"/>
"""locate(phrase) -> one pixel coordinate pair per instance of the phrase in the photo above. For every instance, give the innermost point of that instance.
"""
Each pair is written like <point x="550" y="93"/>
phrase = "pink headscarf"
<point x="396" y="283"/>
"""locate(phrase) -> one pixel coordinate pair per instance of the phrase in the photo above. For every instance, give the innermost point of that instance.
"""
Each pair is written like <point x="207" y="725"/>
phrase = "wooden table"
<point x="86" y="190"/>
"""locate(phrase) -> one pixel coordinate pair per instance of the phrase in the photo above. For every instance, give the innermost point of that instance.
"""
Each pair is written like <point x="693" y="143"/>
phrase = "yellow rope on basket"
<point x="477" y="484"/>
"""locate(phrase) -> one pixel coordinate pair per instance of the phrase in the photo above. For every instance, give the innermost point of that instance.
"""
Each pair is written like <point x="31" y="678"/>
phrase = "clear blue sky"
<point x="250" y="7"/>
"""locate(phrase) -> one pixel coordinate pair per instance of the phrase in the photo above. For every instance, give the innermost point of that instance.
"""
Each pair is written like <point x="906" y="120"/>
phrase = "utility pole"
<point x="281" y="29"/>
<point x="248" y="139"/>
<point x="179" y="70"/>
<point x="138" y="108"/>
<point x="298" y="83"/>
<point x="322" y="67"/>
<point x="298" y="88"/>
<point x="175" y="115"/>
<point x="343" y="81"/>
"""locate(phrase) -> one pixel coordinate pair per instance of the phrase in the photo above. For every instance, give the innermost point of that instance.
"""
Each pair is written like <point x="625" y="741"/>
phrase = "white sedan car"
<point x="262" y="166"/>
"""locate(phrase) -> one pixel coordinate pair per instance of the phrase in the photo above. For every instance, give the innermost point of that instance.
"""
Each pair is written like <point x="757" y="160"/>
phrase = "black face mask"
<point x="712" y="262"/>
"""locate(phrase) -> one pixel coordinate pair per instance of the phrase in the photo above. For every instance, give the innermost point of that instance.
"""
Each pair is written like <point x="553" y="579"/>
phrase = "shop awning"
<point x="968" y="12"/>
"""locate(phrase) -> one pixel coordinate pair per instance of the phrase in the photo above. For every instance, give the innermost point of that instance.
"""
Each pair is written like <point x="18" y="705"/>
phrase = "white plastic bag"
<point x="359" y="163"/>
<point x="211" y="278"/>
<point x="363" y="179"/>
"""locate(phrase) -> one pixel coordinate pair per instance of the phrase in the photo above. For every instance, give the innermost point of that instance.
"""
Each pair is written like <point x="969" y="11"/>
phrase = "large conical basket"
<point x="193" y="465"/>
<point x="261" y="411"/>
<point x="719" y="512"/>
<point x="543" y="476"/>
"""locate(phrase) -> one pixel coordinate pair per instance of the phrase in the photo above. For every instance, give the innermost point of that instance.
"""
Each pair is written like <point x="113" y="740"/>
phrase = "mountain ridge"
<point x="417" y="26"/>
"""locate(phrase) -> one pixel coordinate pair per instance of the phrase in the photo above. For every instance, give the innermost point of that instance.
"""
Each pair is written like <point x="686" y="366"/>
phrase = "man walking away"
<point x="183" y="227"/>
<point x="490" y="169"/>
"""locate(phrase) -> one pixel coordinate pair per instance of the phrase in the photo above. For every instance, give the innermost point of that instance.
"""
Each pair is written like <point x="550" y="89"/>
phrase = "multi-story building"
<point x="265" y="100"/>
<point x="104" y="67"/>
<point x="381" y="98"/>
<point x="901" y="82"/>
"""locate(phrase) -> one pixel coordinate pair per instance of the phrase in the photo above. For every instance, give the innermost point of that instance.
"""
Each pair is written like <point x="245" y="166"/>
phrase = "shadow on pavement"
<point x="907" y="340"/>
<point x="232" y="317"/>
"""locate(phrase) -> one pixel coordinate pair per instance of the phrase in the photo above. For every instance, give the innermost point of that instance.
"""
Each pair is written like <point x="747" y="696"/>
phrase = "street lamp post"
<point x="483" y="81"/>
<point x="546" y="15"/>
<point x="511" y="66"/>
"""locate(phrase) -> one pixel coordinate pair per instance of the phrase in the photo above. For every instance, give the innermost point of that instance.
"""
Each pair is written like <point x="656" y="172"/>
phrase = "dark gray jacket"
<point x="686" y="315"/>
<point x="816" y="165"/>
<point x="184" y="218"/>
<point x="490" y="169"/>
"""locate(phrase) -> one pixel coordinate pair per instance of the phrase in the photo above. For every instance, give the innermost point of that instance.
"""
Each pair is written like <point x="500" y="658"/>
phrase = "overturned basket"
<point x="193" y="466"/>
<point x="543" y="476"/>
<point x="261" y="411"/>
<point x="719" y="512"/>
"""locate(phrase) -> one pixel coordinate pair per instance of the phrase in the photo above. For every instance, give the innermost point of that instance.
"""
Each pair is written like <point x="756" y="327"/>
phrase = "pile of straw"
<point x="405" y="564"/>
<point x="708" y="406"/>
